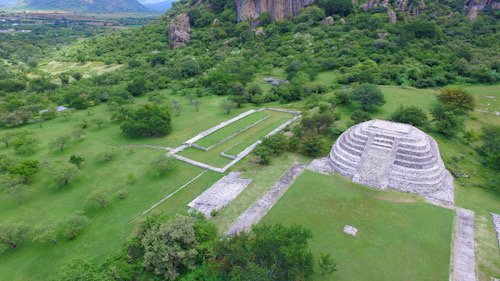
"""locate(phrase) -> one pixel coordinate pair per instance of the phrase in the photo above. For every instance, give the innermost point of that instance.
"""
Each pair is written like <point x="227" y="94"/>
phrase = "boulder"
<point x="474" y="7"/>
<point x="178" y="31"/>
<point x="259" y="31"/>
<point x="392" y="16"/>
<point x="328" y="21"/>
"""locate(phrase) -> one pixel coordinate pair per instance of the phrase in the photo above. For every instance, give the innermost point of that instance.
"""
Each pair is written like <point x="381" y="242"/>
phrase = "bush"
<point x="98" y="199"/>
<point x="369" y="96"/>
<point x="312" y="145"/>
<point x="410" y="115"/>
<point x="73" y="226"/>
<point x="336" y="7"/>
<point x="359" y="116"/>
<point x="263" y="153"/>
<point x="276" y="143"/>
<point x="147" y="121"/>
<point x="163" y="164"/>
<point x="457" y="98"/>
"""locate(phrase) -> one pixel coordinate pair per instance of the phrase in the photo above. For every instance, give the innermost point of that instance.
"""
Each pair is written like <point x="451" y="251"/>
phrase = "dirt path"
<point x="260" y="208"/>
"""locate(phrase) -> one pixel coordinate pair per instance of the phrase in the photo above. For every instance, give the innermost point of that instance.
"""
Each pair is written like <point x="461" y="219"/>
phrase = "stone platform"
<point x="384" y="154"/>
<point x="220" y="194"/>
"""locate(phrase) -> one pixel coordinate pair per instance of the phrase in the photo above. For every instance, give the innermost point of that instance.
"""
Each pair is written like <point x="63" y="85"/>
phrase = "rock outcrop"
<point x="474" y="7"/>
<point x="178" y="31"/>
<point x="278" y="9"/>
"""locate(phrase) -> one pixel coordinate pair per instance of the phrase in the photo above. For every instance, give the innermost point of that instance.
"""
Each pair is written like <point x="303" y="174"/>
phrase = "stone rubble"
<point x="350" y="230"/>
<point x="496" y="224"/>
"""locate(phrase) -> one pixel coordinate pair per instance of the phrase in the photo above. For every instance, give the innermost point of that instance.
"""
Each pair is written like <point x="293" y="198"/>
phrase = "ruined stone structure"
<point x="385" y="154"/>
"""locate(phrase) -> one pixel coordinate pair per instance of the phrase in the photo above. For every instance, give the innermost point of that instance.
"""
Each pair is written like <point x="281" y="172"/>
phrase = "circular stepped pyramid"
<point x="385" y="154"/>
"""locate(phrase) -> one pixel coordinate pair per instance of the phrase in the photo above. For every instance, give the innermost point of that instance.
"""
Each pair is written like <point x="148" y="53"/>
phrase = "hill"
<point x="159" y="6"/>
<point x="94" y="6"/>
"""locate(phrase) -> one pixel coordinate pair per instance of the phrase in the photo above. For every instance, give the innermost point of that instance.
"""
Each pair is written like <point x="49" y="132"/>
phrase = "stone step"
<point x="347" y="141"/>
<point x="346" y="162"/>
<point x="349" y="149"/>
<point x="422" y="172"/>
<point x="342" y="169"/>
<point x="338" y="150"/>
<point x="354" y="139"/>
<point x="417" y="160"/>
<point x="416" y="177"/>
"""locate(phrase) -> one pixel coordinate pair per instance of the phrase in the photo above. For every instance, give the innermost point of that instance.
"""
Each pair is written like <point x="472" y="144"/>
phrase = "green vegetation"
<point x="230" y="129"/>
<point x="415" y="244"/>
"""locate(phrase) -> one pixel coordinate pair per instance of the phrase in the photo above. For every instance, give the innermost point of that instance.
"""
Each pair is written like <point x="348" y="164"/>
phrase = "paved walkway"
<point x="464" y="257"/>
<point x="260" y="208"/>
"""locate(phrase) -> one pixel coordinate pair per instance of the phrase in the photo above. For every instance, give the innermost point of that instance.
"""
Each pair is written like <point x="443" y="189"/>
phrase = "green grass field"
<point x="237" y="144"/>
<point x="399" y="237"/>
<point x="230" y="129"/>
<point x="107" y="229"/>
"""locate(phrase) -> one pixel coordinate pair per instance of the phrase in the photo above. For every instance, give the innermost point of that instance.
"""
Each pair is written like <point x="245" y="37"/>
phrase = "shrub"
<point x="263" y="153"/>
<point x="147" y="121"/>
<point x="369" y="96"/>
<point x="410" y="115"/>
<point x="11" y="236"/>
<point x="163" y="164"/>
<point x="359" y="116"/>
<point x="457" y="98"/>
<point x="312" y="145"/>
<point x="98" y="199"/>
<point x="276" y="143"/>
<point x="73" y="226"/>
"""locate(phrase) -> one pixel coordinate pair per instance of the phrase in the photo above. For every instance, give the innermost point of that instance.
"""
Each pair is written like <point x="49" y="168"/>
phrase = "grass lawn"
<point x="107" y="229"/>
<point x="399" y="237"/>
<point x="237" y="144"/>
<point x="230" y="129"/>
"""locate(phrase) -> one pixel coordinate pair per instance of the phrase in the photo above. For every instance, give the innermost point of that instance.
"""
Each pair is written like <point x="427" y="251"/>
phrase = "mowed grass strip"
<point x="399" y="236"/>
<point x="231" y="129"/>
<point x="239" y="142"/>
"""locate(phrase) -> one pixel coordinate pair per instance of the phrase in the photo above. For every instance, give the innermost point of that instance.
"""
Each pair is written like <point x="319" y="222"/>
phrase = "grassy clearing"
<point x="107" y="229"/>
<point x="230" y="129"/>
<point x="263" y="179"/>
<point x="237" y="144"/>
<point x="87" y="69"/>
<point x="399" y="237"/>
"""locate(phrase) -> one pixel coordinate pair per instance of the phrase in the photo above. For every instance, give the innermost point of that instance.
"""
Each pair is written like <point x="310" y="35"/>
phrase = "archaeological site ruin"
<point x="384" y="154"/>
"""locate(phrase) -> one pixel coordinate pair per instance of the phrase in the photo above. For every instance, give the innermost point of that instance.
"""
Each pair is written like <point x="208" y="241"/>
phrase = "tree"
<point x="490" y="148"/>
<point x="64" y="174"/>
<point x="336" y="7"/>
<point x="76" y="160"/>
<point x="75" y="223"/>
<point x="263" y="153"/>
<point x="47" y="232"/>
<point x="13" y="183"/>
<point x="448" y="120"/>
<point x="77" y="76"/>
<point x="11" y="235"/>
<point x="270" y="252"/>
<point x="312" y="145"/>
<point x="137" y="87"/>
<point x="25" y="169"/>
<point x="147" y="121"/>
<point x="59" y="143"/>
<point x="196" y="103"/>
<point x="170" y="249"/>
<point x="177" y="107"/>
<point x="369" y="96"/>
<point x="410" y="115"/>
<point x="227" y="105"/>
<point x="457" y="98"/>
<point x="25" y="143"/>
<point x="359" y="116"/>
<point x="64" y="77"/>
<point x="163" y="164"/>
<point x="327" y="264"/>
<point x="98" y="199"/>
<point x="276" y="143"/>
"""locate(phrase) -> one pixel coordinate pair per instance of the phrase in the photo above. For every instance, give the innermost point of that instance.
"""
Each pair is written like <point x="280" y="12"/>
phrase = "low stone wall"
<point x="464" y="256"/>
<point x="285" y="111"/>
<point x="496" y="224"/>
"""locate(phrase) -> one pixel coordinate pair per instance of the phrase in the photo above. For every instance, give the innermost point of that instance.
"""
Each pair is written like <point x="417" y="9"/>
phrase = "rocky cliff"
<point x="178" y="31"/>
<point x="278" y="9"/>
<point x="473" y="7"/>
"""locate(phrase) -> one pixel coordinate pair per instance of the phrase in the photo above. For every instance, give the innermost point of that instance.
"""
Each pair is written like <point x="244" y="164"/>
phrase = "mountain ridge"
<point x="95" y="6"/>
